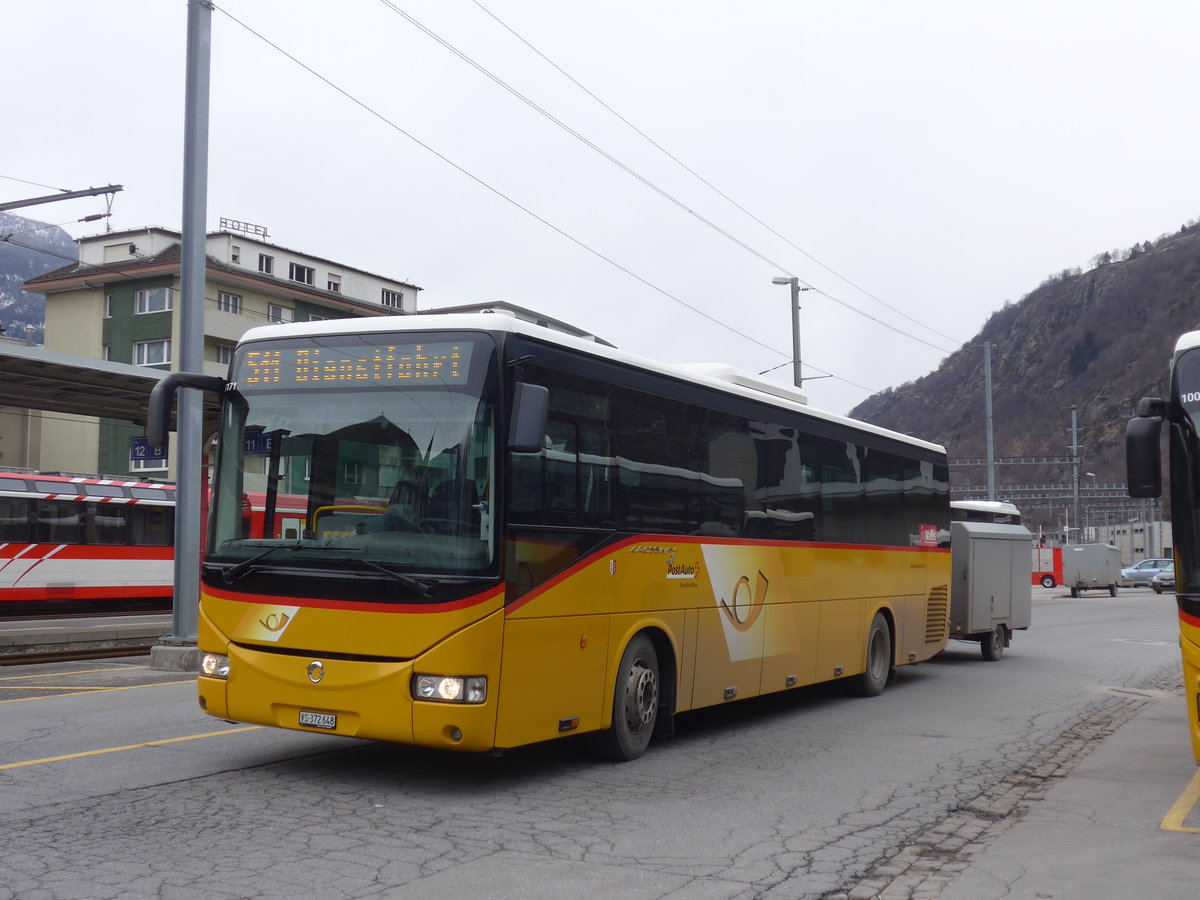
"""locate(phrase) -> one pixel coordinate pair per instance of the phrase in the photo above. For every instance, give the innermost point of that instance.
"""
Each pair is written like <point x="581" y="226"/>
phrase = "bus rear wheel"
<point x="635" y="703"/>
<point x="879" y="659"/>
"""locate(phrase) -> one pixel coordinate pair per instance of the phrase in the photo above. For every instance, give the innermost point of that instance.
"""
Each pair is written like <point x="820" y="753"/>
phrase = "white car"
<point x="1141" y="573"/>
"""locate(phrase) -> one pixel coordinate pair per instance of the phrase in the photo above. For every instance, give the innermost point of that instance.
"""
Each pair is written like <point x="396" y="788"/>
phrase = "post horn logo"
<point x="745" y="608"/>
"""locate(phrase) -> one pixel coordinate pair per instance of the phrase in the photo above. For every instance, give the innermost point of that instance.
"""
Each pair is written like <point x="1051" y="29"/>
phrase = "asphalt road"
<point x="112" y="784"/>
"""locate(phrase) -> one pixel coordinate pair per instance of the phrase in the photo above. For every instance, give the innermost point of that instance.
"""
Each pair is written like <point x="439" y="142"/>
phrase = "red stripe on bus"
<point x="359" y="606"/>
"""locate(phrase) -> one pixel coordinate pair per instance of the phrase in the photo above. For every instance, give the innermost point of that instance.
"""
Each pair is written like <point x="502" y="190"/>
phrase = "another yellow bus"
<point x="1181" y="411"/>
<point x="513" y="534"/>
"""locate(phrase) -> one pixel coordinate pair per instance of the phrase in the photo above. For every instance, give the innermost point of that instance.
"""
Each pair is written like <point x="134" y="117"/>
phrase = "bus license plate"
<point x="318" y="720"/>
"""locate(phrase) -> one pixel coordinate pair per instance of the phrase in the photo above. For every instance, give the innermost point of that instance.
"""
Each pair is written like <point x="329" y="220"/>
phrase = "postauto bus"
<point x="503" y="534"/>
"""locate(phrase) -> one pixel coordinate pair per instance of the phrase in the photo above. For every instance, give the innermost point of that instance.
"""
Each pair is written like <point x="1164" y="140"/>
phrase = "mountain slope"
<point x="19" y="310"/>
<point x="1097" y="340"/>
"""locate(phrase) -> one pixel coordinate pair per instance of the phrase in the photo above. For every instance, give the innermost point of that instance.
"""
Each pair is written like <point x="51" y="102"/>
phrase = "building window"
<point x="235" y="254"/>
<point x="147" y="465"/>
<point x="302" y="274"/>
<point x="334" y="284"/>
<point x="266" y="264"/>
<point x="224" y="354"/>
<point x="277" y="314"/>
<point x="108" y="306"/>
<point x="106" y="352"/>
<point x="230" y="303"/>
<point x="313" y="318"/>
<point x="392" y="298"/>
<point x="352" y="472"/>
<point x="152" y="353"/>
<point x="153" y="300"/>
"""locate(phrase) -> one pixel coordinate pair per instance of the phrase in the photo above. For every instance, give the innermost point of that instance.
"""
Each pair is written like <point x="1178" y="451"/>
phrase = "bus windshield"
<point x="376" y="448"/>
<point x="1185" y="472"/>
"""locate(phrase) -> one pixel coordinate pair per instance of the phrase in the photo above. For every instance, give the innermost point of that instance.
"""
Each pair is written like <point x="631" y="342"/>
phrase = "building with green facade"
<point x="119" y="303"/>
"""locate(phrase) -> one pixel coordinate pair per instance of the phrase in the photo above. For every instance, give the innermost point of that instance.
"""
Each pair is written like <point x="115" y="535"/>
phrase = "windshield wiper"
<point x="419" y="587"/>
<point x="229" y="576"/>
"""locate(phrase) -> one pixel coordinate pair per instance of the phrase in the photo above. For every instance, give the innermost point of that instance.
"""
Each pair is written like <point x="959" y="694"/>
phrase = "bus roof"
<point x="714" y="375"/>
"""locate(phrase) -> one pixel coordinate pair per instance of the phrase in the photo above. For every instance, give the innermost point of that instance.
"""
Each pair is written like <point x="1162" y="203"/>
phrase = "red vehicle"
<point x="84" y="540"/>
<point x="1047" y="566"/>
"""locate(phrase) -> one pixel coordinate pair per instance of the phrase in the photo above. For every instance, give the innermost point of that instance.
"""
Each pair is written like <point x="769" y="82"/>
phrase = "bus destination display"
<point x="311" y="366"/>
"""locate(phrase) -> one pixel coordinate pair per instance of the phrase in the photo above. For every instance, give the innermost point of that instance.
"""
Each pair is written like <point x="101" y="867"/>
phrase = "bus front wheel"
<point x="879" y="659"/>
<point x="635" y="703"/>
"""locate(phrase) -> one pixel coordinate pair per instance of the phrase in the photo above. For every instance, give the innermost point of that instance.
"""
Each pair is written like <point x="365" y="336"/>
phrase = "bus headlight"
<point x="214" y="665"/>
<point x="449" y="688"/>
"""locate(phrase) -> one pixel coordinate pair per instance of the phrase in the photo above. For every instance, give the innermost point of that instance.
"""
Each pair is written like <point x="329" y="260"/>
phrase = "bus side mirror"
<point x="527" y="430"/>
<point x="162" y="400"/>
<point x="1143" y="469"/>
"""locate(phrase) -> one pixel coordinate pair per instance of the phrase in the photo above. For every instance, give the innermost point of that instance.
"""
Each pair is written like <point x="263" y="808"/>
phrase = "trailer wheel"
<point x="1074" y="592"/>
<point x="1112" y="590"/>
<point x="992" y="645"/>
<point x="1048" y="581"/>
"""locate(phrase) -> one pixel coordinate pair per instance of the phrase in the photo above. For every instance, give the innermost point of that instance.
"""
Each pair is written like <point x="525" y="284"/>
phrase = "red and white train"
<point x="83" y="540"/>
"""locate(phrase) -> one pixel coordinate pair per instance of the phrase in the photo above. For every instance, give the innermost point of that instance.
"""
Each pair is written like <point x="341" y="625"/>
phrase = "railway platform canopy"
<point x="37" y="378"/>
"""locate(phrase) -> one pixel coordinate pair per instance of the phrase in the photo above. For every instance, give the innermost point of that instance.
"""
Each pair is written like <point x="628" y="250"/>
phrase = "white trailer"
<point x="1091" y="567"/>
<point x="991" y="584"/>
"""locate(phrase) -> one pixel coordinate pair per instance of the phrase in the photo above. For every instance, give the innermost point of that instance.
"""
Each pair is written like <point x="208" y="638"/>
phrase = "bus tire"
<point x="992" y="645"/>
<point x="879" y="659"/>
<point x="635" y="703"/>
<point x="1048" y="581"/>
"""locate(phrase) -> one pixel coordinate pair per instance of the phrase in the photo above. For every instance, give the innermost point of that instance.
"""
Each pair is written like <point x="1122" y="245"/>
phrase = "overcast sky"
<point x="918" y="164"/>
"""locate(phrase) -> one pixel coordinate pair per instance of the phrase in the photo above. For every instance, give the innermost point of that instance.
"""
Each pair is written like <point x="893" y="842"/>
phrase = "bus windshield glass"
<point x="1185" y="471"/>
<point x="376" y="448"/>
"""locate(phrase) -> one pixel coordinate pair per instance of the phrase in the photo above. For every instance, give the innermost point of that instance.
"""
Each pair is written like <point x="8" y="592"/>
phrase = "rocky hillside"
<point x="1096" y="340"/>
<point x="19" y="263"/>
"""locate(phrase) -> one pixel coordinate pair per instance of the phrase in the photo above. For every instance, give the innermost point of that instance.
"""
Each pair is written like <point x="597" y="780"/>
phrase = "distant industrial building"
<point x="118" y="303"/>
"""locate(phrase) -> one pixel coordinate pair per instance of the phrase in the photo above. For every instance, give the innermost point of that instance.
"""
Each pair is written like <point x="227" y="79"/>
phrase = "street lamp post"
<point x="794" y="283"/>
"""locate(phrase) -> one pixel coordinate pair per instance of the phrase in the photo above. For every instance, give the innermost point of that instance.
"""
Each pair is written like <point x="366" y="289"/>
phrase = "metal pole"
<point x="987" y="400"/>
<point x="1075" y="461"/>
<point x="794" y="283"/>
<point x="189" y="433"/>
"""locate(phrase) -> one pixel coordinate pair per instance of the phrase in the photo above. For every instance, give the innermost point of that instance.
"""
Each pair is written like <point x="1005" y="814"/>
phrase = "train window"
<point x="62" y="488"/>
<point x="153" y="526"/>
<point x="151" y="494"/>
<point x="13" y="484"/>
<point x="14" y="519"/>
<point x="57" y="522"/>
<point x="106" y="523"/>
<point x="103" y="490"/>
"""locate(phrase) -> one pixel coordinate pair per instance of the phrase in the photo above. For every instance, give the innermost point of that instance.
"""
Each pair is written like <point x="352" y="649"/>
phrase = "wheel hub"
<point x="641" y="698"/>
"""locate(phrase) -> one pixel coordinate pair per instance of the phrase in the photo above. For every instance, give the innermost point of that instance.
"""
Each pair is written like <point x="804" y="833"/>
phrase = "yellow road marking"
<point x="64" y="674"/>
<point x="76" y="691"/>
<point x="1173" y="820"/>
<point x="87" y="753"/>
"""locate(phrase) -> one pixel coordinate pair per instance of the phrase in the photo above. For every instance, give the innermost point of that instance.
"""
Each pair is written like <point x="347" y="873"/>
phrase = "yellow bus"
<point x="1181" y="411"/>
<point x="511" y="534"/>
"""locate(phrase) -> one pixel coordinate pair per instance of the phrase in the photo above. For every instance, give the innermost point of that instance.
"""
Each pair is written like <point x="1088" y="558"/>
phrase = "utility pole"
<point x="190" y="424"/>
<point x="1075" y="459"/>
<point x="987" y="400"/>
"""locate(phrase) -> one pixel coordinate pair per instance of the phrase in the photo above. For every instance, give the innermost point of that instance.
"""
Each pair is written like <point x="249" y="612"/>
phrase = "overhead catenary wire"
<point x="494" y="190"/>
<point x="647" y="182"/>
<point x="675" y="159"/>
